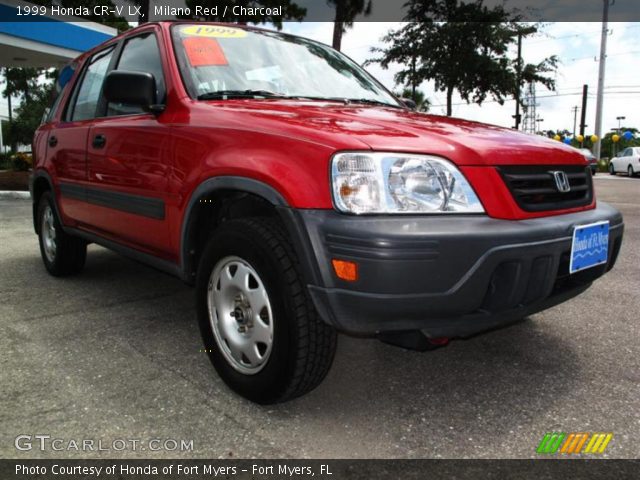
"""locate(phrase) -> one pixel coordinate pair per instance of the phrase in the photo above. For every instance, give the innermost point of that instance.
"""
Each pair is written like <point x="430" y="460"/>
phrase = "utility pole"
<point x="575" y="118"/>
<point x="518" y="80"/>
<point x="583" y="112"/>
<point x="601" y="72"/>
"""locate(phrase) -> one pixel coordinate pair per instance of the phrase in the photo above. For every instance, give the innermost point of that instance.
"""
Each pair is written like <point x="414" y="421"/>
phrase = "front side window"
<point x="222" y="62"/>
<point x="140" y="54"/>
<point x="86" y="101"/>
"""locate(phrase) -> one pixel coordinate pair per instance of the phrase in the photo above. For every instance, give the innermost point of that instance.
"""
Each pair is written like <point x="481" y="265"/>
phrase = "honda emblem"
<point x="562" y="181"/>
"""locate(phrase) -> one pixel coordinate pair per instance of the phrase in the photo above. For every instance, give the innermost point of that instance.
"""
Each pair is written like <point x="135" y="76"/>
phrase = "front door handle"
<point x="53" y="141"/>
<point x="99" y="141"/>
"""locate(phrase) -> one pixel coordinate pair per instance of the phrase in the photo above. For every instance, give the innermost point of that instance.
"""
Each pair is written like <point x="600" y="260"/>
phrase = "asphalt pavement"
<point x="115" y="353"/>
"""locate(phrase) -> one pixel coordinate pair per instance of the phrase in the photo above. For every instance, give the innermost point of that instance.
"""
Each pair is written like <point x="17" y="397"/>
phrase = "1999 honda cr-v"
<point x="302" y="199"/>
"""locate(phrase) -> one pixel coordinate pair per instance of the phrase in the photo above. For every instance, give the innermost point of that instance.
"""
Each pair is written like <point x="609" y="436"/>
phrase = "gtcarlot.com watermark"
<point x="43" y="442"/>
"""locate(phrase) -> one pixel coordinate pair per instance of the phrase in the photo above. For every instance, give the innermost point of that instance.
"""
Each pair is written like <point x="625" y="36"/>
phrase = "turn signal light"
<point x="345" y="270"/>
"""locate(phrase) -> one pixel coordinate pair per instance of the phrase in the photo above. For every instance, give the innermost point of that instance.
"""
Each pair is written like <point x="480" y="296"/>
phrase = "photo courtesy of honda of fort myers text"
<point x="341" y="239"/>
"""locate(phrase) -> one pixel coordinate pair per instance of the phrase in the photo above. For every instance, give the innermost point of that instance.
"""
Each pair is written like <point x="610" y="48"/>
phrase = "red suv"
<point x="302" y="198"/>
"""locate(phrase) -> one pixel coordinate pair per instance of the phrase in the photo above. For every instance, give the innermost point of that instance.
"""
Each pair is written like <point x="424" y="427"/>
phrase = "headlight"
<point x="365" y="182"/>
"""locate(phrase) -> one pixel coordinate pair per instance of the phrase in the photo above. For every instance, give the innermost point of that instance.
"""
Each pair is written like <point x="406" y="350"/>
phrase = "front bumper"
<point x="445" y="275"/>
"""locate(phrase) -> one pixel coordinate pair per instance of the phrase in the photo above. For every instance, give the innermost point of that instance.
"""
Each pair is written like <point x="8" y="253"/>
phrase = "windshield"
<point x="218" y="61"/>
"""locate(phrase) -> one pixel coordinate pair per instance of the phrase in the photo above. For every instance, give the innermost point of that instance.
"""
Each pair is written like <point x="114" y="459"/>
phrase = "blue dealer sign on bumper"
<point x="590" y="246"/>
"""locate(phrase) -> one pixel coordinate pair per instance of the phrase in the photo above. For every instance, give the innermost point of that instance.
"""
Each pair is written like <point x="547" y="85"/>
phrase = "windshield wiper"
<point x="224" y="94"/>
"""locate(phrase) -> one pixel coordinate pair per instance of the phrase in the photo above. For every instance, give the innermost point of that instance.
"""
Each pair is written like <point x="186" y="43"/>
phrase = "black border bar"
<point x="317" y="469"/>
<point x="321" y="11"/>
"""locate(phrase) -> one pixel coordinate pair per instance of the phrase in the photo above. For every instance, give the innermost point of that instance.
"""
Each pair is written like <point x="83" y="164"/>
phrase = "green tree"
<point x="27" y="86"/>
<point x="144" y="10"/>
<point x="21" y="82"/>
<point x="423" y="104"/>
<point x="462" y="47"/>
<point x="33" y="88"/>
<point x="29" y="113"/>
<point x="346" y="12"/>
<point x="290" y="11"/>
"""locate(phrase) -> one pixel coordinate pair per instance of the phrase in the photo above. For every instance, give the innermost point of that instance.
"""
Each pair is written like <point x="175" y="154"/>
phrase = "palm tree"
<point x="145" y="10"/>
<point x="423" y="104"/>
<point x="346" y="12"/>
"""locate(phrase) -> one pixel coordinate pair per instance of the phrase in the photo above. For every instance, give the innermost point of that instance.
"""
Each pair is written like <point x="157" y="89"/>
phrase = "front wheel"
<point x="630" y="171"/>
<point x="612" y="171"/>
<point x="62" y="254"/>
<point x="258" y="323"/>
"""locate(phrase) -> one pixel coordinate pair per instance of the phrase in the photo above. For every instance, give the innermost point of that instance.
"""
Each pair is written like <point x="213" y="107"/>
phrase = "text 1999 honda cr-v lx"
<point x="302" y="199"/>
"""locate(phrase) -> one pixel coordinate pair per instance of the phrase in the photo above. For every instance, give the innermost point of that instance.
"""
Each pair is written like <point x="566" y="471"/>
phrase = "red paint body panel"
<point x="135" y="160"/>
<point x="286" y="144"/>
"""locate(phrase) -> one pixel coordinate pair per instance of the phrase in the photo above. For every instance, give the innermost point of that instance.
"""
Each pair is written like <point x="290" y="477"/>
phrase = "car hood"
<point x="356" y="126"/>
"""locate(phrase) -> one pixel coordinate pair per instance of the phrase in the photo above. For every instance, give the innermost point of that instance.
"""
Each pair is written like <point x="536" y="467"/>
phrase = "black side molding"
<point x="145" y="206"/>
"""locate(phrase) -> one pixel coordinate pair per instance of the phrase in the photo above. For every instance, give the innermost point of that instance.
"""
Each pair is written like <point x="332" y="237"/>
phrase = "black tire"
<point x="70" y="252"/>
<point x="612" y="171"/>
<point x="630" y="171"/>
<point x="303" y="346"/>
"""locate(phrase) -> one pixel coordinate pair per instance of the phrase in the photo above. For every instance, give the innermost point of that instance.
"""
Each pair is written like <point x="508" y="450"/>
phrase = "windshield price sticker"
<point x="215" y="31"/>
<point x="204" y="52"/>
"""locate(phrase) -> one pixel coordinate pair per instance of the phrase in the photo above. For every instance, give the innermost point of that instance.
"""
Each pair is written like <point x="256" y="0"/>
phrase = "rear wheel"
<point x="612" y="171"/>
<point x="62" y="254"/>
<point x="630" y="171"/>
<point x="258" y="323"/>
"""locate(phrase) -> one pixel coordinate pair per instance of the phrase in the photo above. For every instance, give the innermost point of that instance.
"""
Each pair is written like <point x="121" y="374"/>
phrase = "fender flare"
<point x="297" y="233"/>
<point x="37" y="174"/>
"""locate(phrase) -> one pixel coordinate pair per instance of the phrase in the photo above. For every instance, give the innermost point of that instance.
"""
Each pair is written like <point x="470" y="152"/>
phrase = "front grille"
<point x="534" y="189"/>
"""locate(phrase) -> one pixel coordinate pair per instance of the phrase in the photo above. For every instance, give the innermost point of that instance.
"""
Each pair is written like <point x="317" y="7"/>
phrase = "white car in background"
<point x="628" y="161"/>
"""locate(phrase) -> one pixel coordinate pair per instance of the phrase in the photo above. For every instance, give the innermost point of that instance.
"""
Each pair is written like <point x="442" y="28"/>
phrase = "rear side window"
<point x="51" y="111"/>
<point x="86" y="101"/>
<point x="140" y="54"/>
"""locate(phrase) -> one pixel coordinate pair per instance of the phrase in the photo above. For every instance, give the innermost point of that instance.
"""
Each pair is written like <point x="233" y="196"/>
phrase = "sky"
<point x="577" y="45"/>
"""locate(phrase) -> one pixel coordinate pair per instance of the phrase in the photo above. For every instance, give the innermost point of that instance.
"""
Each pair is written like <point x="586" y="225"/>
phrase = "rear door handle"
<point x="99" y="141"/>
<point x="53" y="141"/>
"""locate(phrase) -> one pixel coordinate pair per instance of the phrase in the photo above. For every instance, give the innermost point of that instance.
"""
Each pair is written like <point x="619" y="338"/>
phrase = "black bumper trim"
<point x="329" y="305"/>
<point x="451" y="277"/>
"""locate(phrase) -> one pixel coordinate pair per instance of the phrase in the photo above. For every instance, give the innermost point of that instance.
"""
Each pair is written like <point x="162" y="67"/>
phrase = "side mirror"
<point x="133" y="88"/>
<point x="409" y="103"/>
